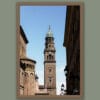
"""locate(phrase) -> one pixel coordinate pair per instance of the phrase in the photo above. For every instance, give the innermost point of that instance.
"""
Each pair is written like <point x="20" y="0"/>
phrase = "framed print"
<point x="49" y="49"/>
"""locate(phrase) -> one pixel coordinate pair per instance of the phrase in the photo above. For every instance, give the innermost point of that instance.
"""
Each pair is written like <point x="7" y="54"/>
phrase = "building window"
<point x="22" y="73"/>
<point x="31" y="74"/>
<point x="26" y="74"/>
<point x="49" y="78"/>
<point x="49" y="46"/>
<point x="49" y="70"/>
<point x="50" y="57"/>
<point x="47" y="57"/>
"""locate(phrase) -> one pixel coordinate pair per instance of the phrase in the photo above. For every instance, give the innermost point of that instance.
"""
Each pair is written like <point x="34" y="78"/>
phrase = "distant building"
<point x="72" y="45"/>
<point x="50" y="64"/>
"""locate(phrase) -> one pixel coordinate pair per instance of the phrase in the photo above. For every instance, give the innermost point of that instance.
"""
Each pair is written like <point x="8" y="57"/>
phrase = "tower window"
<point x="49" y="70"/>
<point x="50" y="57"/>
<point x="49" y="78"/>
<point x="49" y="46"/>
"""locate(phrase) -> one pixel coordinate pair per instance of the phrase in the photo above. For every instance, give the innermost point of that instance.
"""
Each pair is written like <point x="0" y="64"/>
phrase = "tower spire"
<point x="49" y="33"/>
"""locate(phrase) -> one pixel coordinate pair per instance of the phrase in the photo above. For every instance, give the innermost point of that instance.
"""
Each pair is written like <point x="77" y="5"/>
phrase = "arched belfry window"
<point x="50" y="57"/>
<point x="47" y="57"/>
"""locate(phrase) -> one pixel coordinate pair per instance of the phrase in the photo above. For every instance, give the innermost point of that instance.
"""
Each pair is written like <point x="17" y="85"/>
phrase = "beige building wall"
<point x="29" y="85"/>
<point x="22" y="45"/>
<point x="50" y="71"/>
<point x="27" y="68"/>
<point x="21" y="81"/>
<point x="36" y="86"/>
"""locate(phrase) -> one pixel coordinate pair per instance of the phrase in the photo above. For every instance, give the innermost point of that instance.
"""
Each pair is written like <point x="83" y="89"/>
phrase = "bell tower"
<point x="50" y="63"/>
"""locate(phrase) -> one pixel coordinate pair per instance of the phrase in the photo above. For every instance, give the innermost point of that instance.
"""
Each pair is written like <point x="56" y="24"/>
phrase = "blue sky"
<point x="35" y="21"/>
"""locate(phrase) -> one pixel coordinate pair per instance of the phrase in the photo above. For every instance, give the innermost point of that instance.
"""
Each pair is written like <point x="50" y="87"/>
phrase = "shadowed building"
<point x="72" y="45"/>
<point x="50" y="64"/>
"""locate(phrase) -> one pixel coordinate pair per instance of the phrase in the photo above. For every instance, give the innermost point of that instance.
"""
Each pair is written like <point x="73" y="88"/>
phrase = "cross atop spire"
<point x="49" y="27"/>
<point x="49" y="33"/>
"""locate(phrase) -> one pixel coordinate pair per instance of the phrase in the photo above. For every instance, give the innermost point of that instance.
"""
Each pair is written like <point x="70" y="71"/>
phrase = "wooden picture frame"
<point x="72" y="25"/>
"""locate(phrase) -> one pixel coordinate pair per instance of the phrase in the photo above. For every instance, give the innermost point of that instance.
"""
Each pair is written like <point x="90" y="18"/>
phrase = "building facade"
<point x="26" y="69"/>
<point x="72" y="45"/>
<point x="50" y="64"/>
